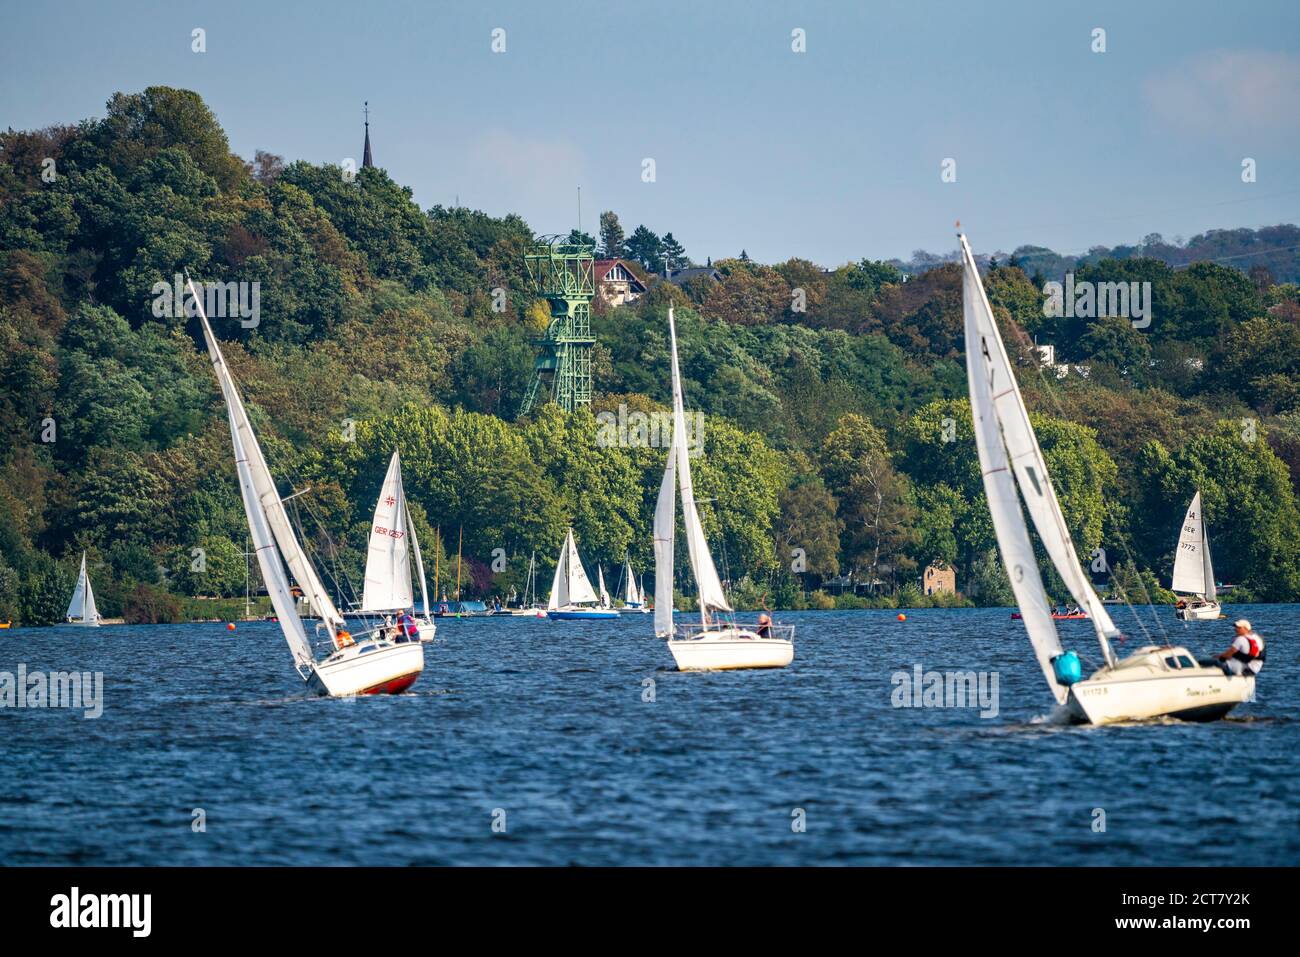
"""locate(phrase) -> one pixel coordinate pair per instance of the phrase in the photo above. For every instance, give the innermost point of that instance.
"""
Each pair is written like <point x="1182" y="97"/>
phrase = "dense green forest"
<point x="837" y="437"/>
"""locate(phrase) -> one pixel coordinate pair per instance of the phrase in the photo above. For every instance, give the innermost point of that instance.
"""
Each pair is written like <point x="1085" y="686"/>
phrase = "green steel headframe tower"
<point x="562" y="272"/>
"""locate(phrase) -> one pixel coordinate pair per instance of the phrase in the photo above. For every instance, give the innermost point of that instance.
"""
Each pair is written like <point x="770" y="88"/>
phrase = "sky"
<point x="832" y="154"/>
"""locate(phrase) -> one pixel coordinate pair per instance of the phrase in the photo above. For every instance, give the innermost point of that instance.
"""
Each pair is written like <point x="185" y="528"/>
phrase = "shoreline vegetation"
<point x="830" y="402"/>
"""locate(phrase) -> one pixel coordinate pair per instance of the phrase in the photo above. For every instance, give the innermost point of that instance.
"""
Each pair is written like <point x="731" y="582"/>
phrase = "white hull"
<point x="729" y="649"/>
<point x="1200" y="611"/>
<point x="368" y="667"/>
<point x="426" y="629"/>
<point x="528" y="612"/>
<point x="93" y="623"/>
<point x="1145" y="685"/>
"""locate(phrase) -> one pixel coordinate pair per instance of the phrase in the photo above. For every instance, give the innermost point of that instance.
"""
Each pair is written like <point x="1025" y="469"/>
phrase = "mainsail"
<point x="631" y="595"/>
<point x="712" y="597"/>
<point x="1023" y="454"/>
<point x="82" y="606"/>
<point x="604" y="595"/>
<point x="388" y="562"/>
<point x="1010" y="457"/>
<point x="664" y="531"/>
<point x="260" y="498"/>
<point x="1193" y="571"/>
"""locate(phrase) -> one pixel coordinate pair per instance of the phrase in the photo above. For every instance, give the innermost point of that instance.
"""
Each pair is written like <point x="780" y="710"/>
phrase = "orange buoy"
<point x="230" y="626"/>
<point x="902" y="617"/>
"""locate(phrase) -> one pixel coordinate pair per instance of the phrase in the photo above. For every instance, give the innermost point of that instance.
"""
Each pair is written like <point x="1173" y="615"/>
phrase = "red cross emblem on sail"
<point x="390" y="500"/>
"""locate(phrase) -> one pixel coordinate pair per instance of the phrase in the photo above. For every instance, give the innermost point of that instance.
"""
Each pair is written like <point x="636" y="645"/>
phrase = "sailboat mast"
<point x="459" y="542"/>
<point x="437" y="554"/>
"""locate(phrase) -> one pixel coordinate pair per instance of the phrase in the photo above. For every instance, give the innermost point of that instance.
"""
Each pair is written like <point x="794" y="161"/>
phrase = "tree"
<point x="646" y="248"/>
<point x="807" y="530"/>
<point x="673" y="253"/>
<point x="1114" y="342"/>
<point x="876" y="504"/>
<point x="611" y="235"/>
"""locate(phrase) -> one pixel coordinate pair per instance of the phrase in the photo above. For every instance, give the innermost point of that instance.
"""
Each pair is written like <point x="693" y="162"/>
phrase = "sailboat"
<point x="534" y="608"/>
<point x="717" y="643"/>
<point x="1154" y="681"/>
<point x="82" y="610"/>
<point x="633" y="597"/>
<point x="572" y="597"/>
<point x="1193" y="572"/>
<point x="387" y="589"/>
<point x="600" y="588"/>
<point x="374" y="664"/>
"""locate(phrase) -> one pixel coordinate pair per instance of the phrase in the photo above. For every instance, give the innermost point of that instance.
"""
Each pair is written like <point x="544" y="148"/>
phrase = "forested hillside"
<point x="837" y="434"/>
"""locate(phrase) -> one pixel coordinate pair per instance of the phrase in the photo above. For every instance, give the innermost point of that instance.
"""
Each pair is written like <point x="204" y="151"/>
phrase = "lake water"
<point x="544" y="728"/>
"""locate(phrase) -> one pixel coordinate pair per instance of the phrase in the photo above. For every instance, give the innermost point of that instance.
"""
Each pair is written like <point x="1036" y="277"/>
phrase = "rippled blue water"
<point x="546" y="721"/>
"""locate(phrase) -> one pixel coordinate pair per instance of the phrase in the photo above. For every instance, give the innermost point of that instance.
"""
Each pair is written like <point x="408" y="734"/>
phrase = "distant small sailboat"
<point x="1153" y="681"/>
<point x="82" y="610"/>
<point x="371" y="665"/>
<point x="530" y="608"/>
<point x="1193" y="571"/>
<point x="717" y="643"/>
<point x="387" y="589"/>
<point x="633" y="597"/>
<point x="572" y="597"/>
<point x="600" y="589"/>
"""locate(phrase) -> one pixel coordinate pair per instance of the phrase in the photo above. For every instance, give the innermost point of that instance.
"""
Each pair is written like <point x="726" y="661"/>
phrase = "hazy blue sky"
<point x="832" y="154"/>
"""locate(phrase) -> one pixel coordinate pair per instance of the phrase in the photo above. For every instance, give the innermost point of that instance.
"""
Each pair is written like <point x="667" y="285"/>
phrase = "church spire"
<point x="366" y="160"/>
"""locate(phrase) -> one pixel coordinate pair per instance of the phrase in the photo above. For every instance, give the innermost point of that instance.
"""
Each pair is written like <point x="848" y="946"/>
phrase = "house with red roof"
<point x="616" y="283"/>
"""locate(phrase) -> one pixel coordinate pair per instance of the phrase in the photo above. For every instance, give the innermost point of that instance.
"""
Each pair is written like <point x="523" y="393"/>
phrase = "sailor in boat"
<point x="1246" y="653"/>
<point x="406" y="628"/>
<point x="764" y="625"/>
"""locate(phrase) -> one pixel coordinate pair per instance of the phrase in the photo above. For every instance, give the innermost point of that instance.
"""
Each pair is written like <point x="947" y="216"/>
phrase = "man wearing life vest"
<point x="1246" y="655"/>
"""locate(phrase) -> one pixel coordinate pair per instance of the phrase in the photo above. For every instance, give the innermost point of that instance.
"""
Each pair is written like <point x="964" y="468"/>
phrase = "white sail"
<point x="604" y="595"/>
<point x="419" y="563"/>
<point x="1211" y="593"/>
<point x="264" y="486"/>
<point x="631" y="595"/>
<point x="1193" y="573"/>
<point x="560" y="583"/>
<point x="268" y="558"/>
<point x="579" y="585"/>
<point x="1023" y="455"/>
<point x="664" y="531"/>
<point x="82" y="606"/>
<point x="388" y="561"/>
<point x="1004" y="504"/>
<point x="712" y="597"/>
